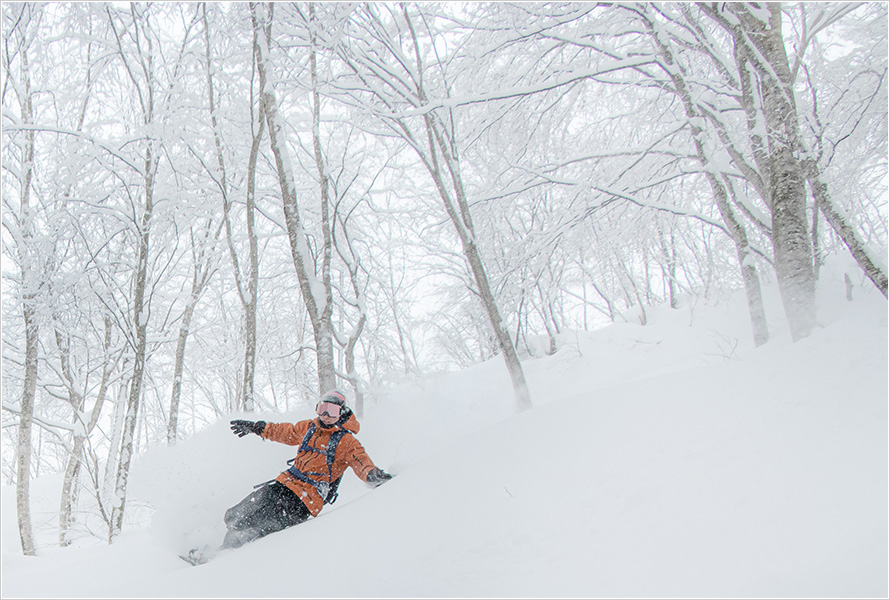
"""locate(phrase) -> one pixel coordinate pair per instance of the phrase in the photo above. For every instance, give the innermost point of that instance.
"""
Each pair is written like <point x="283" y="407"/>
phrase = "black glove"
<point x="377" y="477"/>
<point x="242" y="428"/>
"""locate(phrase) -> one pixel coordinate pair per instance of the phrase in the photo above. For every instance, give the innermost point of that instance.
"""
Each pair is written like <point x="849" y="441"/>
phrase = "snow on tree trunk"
<point x="735" y="229"/>
<point x="81" y="432"/>
<point x="69" y="489"/>
<point x="461" y="219"/>
<point x="760" y="51"/>
<point x="140" y="327"/>
<point x="841" y="226"/>
<point x="70" y="481"/>
<point x="178" y="366"/>
<point x="23" y="443"/>
<point x="248" y="298"/>
<point x="316" y="294"/>
<point x="791" y="243"/>
<point x="253" y="273"/>
<point x="30" y="283"/>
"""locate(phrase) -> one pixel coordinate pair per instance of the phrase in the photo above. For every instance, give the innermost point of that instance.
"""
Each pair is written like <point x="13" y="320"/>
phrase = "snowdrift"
<point x="667" y="460"/>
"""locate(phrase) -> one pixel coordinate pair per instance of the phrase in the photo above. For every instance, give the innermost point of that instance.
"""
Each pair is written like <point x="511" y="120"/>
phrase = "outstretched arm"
<point x="363" y="466"/>
<point x="286" y="433"/>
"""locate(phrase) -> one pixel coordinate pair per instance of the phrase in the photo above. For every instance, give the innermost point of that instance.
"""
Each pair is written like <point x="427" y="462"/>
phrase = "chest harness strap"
<point x="326" y="489"/>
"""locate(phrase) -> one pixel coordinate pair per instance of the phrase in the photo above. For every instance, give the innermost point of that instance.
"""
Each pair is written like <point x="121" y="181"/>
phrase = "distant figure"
<point x="327" y="445"/>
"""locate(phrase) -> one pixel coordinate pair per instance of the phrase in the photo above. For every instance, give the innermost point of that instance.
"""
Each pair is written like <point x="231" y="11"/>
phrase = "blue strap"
<point x="326" y="489"/>
<point x="323" y="487"/>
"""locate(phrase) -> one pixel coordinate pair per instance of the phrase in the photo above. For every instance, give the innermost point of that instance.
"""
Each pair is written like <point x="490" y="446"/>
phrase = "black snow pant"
<point x="270" y="508"/>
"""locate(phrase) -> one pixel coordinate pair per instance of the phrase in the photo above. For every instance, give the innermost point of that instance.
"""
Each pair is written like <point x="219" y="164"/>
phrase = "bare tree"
<point x="141" y="73"/>
<point x="436" y="144"/>
<point x="768" y="97"/>
<point x="247" y="293"/>
<point x="316" y="292"/>
<point x="203" y="268"/>
<point x="82" y="431"/>
<point x="29" y="264"/>
<point x="734" y="226"/>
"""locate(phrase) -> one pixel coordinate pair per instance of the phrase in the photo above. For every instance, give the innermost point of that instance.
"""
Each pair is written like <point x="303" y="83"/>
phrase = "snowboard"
<point x="199" y="556"/>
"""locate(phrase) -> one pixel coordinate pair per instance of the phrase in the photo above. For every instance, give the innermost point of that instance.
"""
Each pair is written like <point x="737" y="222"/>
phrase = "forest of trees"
<point x="220" y="207"/>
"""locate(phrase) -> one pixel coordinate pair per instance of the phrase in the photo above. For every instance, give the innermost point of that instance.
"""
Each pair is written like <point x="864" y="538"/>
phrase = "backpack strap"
<point x="326" y="489"/>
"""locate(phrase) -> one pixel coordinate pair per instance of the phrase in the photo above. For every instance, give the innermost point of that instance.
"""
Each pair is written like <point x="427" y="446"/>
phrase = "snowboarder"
<point x="327" y="445"/>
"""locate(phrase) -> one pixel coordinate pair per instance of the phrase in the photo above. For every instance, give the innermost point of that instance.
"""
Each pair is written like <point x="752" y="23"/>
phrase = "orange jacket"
<point x="350" y="453"/>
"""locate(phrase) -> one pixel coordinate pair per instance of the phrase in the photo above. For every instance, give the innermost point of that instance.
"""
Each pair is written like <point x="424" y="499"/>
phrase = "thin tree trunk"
<point x="248" y="298"/>
<point x="316" y="296"/>
<point x="464" y="227"/>
<point x="203" y="271"/>
<point x="547" y="319"/>
<point x="106" y="492"/>
<point x="72" y="470"/>
<point x="248" y="402"/>
<point x="459" y="212"/>
<point x="30" y="284"/>
<point x="326" y="227"/>
<point x="23" y="444"/>
<point x="352" y="264"/>
<point x="140" y="322"/>
<point x="82" y="431"/>
<point x="408" y="360"/>
<point x="669" y="269"/>
<point x="814" y="236"/>
<point x="736" y="230"/>
<point x="840" y="225"/>
<point x="179" y="361"/>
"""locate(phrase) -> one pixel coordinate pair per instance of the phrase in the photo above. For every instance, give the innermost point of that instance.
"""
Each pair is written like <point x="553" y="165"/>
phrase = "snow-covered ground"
<point x="666" y="460"/>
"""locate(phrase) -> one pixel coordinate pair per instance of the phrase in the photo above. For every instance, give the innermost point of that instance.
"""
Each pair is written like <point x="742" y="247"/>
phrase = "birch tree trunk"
<point x="23" y="443"/>
<point x="348" y="255"/>
<point x="253" y="275"/>
<point x="72" y="469"/>
<point x="29" y="292"/>
<point x="178" y="365"/>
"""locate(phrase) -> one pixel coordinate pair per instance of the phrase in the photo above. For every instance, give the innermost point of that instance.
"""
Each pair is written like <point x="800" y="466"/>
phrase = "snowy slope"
<point x="667" y="460"/>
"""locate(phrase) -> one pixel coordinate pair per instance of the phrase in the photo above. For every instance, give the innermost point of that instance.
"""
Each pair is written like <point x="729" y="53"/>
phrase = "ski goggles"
<point x="328" y="408"/>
